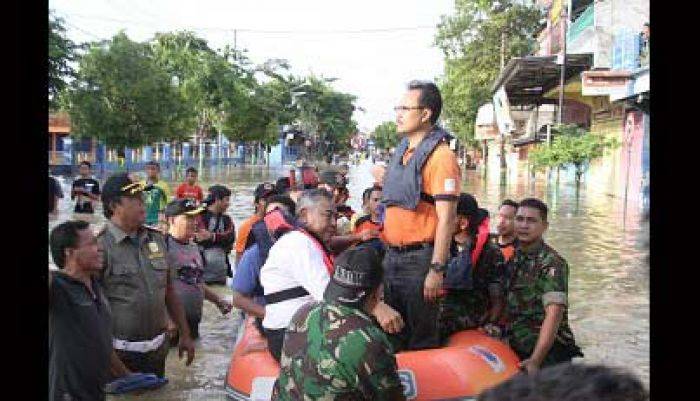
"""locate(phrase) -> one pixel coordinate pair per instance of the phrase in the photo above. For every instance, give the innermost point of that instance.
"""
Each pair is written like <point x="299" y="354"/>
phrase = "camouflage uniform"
<point x="335" y="352"/>
<point x="463" y="309"/>
<point x="536" y="278"/>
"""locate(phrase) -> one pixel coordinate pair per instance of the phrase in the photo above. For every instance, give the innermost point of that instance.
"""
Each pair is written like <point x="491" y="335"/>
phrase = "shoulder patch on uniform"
<point x="450" y="185"/>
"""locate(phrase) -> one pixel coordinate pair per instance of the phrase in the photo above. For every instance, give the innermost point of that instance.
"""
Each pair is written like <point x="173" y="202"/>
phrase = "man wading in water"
<point x="138" y="281"/>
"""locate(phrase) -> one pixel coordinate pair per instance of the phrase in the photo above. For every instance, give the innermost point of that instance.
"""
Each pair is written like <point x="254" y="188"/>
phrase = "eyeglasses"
<point x="406" y="108"/>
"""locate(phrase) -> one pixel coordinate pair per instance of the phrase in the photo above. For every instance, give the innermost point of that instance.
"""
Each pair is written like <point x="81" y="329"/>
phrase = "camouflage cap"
<point x="357" y="272"/>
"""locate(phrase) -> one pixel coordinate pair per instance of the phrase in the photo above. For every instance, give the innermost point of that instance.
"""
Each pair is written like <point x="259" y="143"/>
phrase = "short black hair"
<point x="568" y="382"/>
<point x="65" y="235"/>
<point x="367" y="193"/>
<point x="153" y="163"/>
<point x="509" y="202"/>
<point x="219" y="192"/>
<point x="85" y="162"/>
<point x="535" y="204"/>
<point x="429" y="97"/>
<point x="283" y="199"/>
<point x="191" y="170"/>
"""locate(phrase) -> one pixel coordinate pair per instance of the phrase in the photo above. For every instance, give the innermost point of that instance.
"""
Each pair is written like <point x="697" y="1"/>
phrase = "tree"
<point x="572" y="147"/>
<point x="471" y="43"/>
<point x="123" y="98"/>
<point x="385" y="136"/>
<point x="62" y="52"/>
<point x="326" y="112"/>
<point x="215" y="86"/>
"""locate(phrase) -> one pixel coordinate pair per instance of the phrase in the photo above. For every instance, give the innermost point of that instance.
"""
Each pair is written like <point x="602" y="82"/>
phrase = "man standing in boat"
<point x="138" y="281"/>
<point x="334" y="349"/>
<point x="421" y="186"/>
<point x="537" y="299"/>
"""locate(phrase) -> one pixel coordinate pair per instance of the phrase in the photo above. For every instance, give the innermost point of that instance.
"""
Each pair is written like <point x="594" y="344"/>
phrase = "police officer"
<point x="537" y="300"/>
<point x="138" y="281"/>
<point x="334" y="349"/>
<point x="421" y="186"/>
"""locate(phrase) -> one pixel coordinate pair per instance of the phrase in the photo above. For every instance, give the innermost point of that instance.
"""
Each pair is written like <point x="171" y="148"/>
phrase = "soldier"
<point x="537" y="297"/>
<point x="138" y="281"/>
<point x="505" y="229"/>
<point x="333" y="349"/>
<point x="474" y="279"/>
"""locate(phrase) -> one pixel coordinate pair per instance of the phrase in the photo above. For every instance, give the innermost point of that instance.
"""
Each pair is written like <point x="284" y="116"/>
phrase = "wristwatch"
<point x="438" y="267"/>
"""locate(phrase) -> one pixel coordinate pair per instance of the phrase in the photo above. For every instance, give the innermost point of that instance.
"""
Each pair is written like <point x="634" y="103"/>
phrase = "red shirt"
<point x="186" y="190"/>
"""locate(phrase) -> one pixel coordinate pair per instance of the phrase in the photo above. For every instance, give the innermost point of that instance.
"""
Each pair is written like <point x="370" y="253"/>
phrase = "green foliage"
<point x="385" y="136"/>
<point x="62" y="51"/>
<point x="471" y="43"/>
<point x="131" y="94"/>
<point x="572" y="147"/>
<point x="326" y="112"/>
<point x="122" y="97"/>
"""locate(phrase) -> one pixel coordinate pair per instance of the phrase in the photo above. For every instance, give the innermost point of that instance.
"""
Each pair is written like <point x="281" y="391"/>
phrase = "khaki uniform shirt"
<point x="135" y="278"/>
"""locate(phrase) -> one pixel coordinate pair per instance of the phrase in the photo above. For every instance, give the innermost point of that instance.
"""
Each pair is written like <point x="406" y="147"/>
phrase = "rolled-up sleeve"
<point x="555" y="283"/>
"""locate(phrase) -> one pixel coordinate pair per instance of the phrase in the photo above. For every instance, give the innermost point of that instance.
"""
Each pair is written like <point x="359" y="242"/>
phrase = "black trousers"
<point x="404" y="278"/>
<point x="275" y="340"/>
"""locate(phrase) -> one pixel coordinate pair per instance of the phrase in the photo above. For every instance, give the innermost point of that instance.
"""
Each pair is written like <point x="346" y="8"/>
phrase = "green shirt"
<point x="333" y="351"/>
<point x="538" y="277"/>
<point x="155" y="200"/>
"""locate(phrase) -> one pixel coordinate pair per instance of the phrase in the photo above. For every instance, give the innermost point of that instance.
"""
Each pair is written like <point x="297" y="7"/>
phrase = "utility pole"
<point x="503" y="138"/>
<point x="563" y="20"/>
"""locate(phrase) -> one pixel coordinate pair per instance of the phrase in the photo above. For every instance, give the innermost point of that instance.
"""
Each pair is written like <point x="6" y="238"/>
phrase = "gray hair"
<point x="311" y="197"/>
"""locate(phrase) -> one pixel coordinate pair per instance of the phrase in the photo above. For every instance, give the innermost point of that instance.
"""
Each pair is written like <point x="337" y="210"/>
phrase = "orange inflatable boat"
<point x="470" y="363"/>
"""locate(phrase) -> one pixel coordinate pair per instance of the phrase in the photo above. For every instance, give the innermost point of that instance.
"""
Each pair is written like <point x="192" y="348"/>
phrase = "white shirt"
<point x="294" y="260"/>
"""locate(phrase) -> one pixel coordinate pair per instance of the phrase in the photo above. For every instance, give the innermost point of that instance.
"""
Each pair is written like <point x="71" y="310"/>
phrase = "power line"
<point x="265" y="31"/>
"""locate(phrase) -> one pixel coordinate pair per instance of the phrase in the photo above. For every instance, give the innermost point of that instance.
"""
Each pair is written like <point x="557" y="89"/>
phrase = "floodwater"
<point x="604" y="242"/>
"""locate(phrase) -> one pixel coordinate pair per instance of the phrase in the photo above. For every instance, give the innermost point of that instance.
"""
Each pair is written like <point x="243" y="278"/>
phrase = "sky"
<point x="373" y="48"/>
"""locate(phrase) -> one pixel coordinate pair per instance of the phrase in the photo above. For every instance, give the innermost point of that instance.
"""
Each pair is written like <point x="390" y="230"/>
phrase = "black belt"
<point x="410" y="247"/>
<point x="285" y="295"/>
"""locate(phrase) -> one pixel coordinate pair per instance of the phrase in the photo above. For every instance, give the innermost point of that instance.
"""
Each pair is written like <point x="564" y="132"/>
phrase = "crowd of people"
<point x="336" y="292"/>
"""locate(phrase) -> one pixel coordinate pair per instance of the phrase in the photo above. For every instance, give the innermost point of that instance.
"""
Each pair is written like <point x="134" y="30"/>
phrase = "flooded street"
<point x="605" y="244"/>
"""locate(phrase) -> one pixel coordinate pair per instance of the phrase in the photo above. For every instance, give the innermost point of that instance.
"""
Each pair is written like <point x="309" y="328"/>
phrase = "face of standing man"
<point x="410" y="115"/>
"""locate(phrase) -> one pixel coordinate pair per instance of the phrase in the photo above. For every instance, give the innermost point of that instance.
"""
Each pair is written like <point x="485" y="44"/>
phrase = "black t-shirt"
<point x="80" y="340"/>
<point x="83" y="204"/>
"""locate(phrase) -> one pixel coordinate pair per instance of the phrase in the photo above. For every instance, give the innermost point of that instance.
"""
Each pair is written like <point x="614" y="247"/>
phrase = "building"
<point x="605" y="87"/>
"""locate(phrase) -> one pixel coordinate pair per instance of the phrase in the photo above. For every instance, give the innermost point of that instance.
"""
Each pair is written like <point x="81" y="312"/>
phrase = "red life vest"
<point x="482" y="235"/>
<point x="327" y="257"/>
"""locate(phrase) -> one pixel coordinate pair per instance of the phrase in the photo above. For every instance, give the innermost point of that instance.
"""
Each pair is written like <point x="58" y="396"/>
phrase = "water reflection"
<point x="604" y="241"/>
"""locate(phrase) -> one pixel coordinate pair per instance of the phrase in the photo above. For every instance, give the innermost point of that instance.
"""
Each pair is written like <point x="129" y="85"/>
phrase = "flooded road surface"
<point x="605" y="244"/>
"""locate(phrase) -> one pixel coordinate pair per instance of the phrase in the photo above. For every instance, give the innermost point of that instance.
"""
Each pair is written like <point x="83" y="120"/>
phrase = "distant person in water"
<point x="189" y="189"/>
<point x="85" y="190"/>
<point x="156" y="194"/>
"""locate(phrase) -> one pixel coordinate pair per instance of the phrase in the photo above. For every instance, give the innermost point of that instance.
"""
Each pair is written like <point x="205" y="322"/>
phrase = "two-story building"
<point x="605" y="84"/>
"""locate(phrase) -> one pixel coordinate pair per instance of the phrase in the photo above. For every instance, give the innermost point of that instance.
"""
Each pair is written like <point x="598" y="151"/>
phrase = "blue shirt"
<point x="246" y="280"/>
